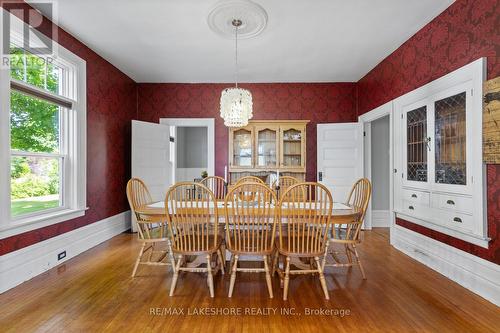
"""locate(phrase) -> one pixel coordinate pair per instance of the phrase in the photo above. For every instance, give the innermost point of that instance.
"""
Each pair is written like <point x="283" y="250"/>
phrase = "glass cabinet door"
<point x="292" y="148"/>
<point x="450" y="140"/>
<point x="416" y="144"/>
<point x="267" y="146"/>
<point x="242" y="148"/>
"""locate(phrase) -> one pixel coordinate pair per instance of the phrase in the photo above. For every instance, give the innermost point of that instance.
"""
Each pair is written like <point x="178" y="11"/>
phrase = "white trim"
<point x="365" y="120"/>
<point x="478" y="275"/>
<point x="20" y="266"/>
<point x="367" y="169"/>
<point x="381" y="218"/>
<point x="483" y="242"/>
<point x="43" y="220"/>
<point x="4" y="136"/>
<point x="37" y="92"/>
<point x="198" y="122"/>
<point x="4" y="148"/>
<point x="377" y="113"/>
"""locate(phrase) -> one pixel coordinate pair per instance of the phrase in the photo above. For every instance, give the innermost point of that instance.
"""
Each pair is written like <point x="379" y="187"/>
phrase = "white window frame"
<point x="74" y="128"/>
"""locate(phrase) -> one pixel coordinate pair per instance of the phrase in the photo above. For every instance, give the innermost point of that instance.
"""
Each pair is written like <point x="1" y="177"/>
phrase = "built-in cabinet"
<point x="268" y="146"/>
<point x="438" y="155"/>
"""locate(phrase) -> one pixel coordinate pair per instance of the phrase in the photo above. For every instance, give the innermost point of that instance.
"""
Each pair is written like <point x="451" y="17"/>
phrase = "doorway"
<point x="191" y="153"/>
<point x="192" y="147"/>
<point x="380" y="172"/>
<point x="378" y="164"/>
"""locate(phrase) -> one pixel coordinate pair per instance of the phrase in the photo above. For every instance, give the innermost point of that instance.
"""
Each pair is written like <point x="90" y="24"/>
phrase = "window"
<point x="43" y="122"/>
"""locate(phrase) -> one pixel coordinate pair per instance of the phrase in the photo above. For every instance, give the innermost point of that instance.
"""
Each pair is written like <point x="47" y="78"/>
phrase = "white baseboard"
<point x="478" y="275"/>
<point x="20" y="266"/>
<point x="381" y="219"/>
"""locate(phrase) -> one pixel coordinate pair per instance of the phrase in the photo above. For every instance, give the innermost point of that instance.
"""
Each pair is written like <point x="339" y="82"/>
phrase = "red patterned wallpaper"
<point x="317" y="102"/>
<point x="466" y="31"/>
<point x="111" y="105"/>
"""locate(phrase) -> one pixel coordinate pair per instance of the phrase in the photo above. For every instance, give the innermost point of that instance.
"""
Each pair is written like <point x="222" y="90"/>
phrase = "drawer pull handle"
<point x="413" y="195"/>
<point x="450" y="202"/>
<point x="457" y="219"/>
<point x="411" y="208"/>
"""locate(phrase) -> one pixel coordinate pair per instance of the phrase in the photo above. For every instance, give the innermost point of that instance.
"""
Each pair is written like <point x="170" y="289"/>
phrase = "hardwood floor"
<point x="94" y="292"/>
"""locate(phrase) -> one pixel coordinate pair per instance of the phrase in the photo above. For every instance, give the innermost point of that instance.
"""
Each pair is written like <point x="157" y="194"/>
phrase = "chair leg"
<point x="221" y="260"/>
<point x="326" y="255"/>
<point x="233" y="275"/>
<point x="151" y="253"/>
<point x="359" y="262"/>
<point x="176" y="275"/>
<point x="268" y="277"/>
<point x="322" y="278"/>
<point x="275" y="263"/>
<point x="171" y="256"/>
<point x="287" y="279"/>
<point x="282" y="277"/>
<point x="223" y="252"/>
<point x="231" y="262"/>
<point x="141" y="252"/>
<point x="348" y="253"/>
<point x="210" y="278"/>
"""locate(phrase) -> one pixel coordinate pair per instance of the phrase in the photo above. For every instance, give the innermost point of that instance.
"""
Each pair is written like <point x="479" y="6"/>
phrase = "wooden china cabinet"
<point x="265" y="146"/>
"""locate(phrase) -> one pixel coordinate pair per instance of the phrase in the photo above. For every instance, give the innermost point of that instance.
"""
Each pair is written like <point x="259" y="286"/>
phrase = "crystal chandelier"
<point x="236" y="103"/>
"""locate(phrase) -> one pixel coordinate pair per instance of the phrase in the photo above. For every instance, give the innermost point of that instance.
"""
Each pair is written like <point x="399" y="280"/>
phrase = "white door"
<point x="340" y="157"/>
<point x="150" y="157"/>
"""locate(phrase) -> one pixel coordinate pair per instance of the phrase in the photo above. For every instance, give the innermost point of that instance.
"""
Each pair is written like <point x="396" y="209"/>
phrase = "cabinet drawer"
<point x="455" y="203"/>
<point x="456" y="220"/>
<point x="417" y="197"/>
<point x="415" y="209"/>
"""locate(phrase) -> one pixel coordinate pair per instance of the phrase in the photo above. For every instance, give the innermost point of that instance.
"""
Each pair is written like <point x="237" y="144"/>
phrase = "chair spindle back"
<point x="307" y="218"/>
<point x="148" y="228"/>
<point x="191" y="211"/>
<point x="359" y="197"/>
<point x="250" y="218"/>
<point x="249" y="179"/>
<point x="217" y="185"/>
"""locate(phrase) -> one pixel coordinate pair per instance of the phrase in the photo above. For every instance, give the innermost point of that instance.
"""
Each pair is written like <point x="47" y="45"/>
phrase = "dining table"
<point x="341" y="213"/>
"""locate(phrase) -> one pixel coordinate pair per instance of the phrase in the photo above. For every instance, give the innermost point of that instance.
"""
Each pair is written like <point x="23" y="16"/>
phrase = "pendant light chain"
<point x="236" y="57"/>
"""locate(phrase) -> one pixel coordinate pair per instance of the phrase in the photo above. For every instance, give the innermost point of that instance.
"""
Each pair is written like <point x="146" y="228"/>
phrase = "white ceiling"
<point x="304" y="41"/>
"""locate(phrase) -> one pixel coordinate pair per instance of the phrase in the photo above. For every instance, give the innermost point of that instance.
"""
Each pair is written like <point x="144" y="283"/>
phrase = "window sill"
<point x="40" y="221"/>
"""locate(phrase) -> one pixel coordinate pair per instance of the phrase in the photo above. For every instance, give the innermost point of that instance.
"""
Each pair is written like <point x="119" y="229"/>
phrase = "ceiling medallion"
<point x="253" y="18"/>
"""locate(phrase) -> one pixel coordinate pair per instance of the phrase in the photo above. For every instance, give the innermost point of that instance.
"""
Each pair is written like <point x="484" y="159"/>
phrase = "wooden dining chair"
<point x="303" y="229"/>
<point x="217" y="185"/>
<point x="193" y="225"/>
<point x="349" y="234"/>
<point x="250" y="228"/>
<point x="281" y="185"/>
<point x="250" y="179"/>
<point x="151" y="230"/>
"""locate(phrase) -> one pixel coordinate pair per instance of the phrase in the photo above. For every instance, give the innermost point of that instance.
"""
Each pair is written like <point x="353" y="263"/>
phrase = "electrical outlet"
<point x="61" y="255"/>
